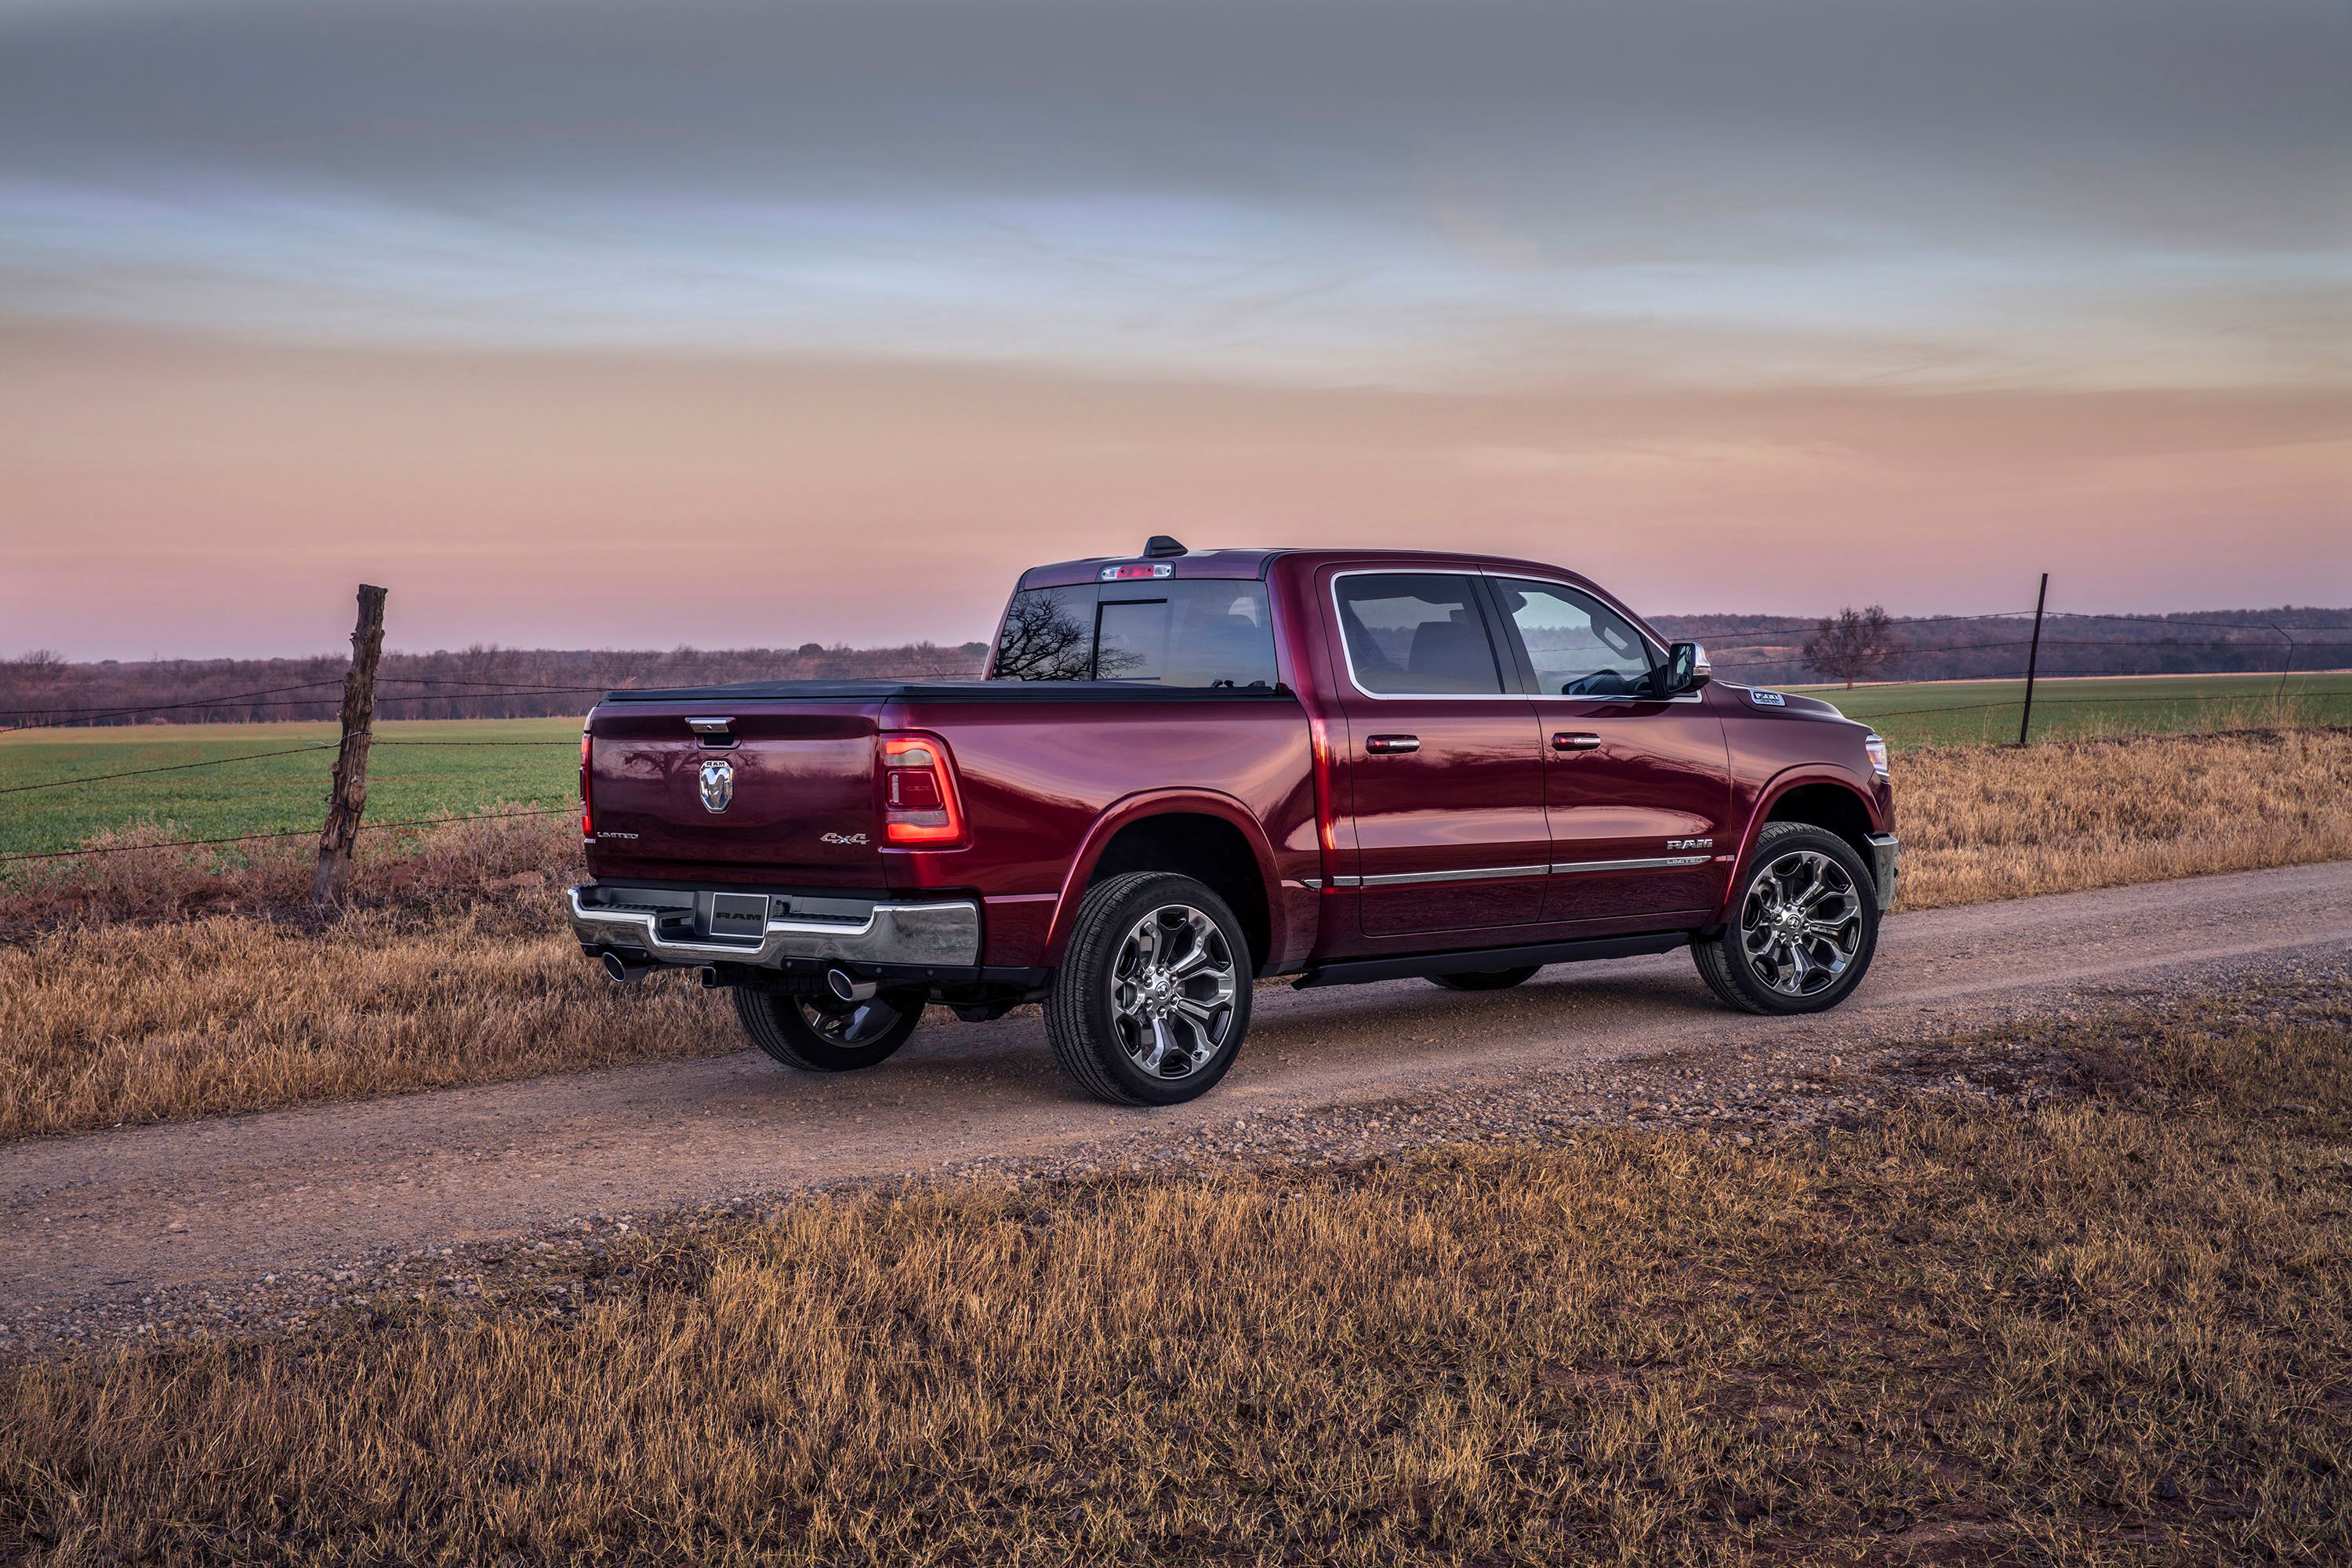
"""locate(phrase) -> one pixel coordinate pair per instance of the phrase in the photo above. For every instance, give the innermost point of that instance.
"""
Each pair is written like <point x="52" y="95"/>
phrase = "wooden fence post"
<point x="347" y="797"/>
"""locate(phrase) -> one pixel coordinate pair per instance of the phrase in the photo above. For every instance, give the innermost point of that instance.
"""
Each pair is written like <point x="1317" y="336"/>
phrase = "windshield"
<point x="1202" y="633"/>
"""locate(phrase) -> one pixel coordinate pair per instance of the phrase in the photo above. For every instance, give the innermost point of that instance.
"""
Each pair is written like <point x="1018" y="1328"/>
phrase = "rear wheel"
<point x="1151" y="1001"/>
<point x="1804" y="930"/>
<point x="828" y="1035"/>
<point x="1489" y="979"/>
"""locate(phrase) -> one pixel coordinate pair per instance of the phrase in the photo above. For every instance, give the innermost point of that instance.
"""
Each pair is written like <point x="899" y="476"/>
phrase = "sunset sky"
<point x="728" y="323"/>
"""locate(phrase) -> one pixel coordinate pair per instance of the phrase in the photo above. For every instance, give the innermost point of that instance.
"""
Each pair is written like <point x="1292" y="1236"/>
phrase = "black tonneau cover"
<point x="951" y="692"/>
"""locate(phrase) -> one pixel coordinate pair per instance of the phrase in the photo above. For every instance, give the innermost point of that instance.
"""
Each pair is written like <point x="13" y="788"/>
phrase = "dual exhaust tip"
<point x="843" y="985"/>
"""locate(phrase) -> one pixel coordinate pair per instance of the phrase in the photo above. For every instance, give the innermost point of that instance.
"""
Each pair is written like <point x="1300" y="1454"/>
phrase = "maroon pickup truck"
<point x="1191" y="771"/>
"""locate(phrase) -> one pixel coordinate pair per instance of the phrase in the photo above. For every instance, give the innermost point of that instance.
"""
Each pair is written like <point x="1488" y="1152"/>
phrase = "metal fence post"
<point x="2033" y="660"/>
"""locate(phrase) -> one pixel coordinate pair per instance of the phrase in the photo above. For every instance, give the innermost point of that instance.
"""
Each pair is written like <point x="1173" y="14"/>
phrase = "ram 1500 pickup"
<point x="1186" y="772"/>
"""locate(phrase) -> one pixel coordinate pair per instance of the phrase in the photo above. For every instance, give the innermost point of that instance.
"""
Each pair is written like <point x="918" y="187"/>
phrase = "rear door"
<point x="1637" y="788"/>
<point x="1445" y="774"/>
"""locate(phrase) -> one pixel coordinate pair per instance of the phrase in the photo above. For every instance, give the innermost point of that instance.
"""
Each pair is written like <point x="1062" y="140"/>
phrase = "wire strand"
<point x="290" y="833"/>
<point x="171" y="768"/>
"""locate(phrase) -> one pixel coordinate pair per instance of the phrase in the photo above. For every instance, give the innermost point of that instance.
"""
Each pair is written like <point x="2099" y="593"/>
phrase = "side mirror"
<point x="1686" y="668"/>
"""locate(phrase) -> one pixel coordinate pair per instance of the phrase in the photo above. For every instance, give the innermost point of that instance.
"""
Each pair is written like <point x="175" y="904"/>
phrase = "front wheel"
<point x="828" y="1036"/>
<point x="1153" y="996"/>
<point x="1804" y="929"/>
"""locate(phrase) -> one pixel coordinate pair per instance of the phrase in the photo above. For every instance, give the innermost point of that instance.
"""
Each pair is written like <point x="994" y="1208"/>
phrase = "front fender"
<point x="1776" y="789"/>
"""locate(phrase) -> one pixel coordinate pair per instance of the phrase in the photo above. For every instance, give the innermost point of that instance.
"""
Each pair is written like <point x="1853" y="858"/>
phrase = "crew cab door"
<point x="1445" y="772"/>
<point x="1637" y="788"/>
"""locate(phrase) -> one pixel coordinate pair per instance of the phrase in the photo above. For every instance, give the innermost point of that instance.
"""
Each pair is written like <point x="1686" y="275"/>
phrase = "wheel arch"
<point x="1211" y="837"/>
<point x="1820" y="797"/>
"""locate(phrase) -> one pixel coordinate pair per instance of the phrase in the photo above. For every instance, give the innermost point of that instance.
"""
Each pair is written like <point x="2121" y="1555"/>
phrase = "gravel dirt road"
<point x="122" y="1216"/>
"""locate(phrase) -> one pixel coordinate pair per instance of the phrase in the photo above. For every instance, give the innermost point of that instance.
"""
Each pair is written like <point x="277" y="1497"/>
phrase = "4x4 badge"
<point x="717" y="784"/>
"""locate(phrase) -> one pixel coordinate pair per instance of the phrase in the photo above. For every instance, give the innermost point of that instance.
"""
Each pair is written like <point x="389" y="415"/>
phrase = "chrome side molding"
<point x="1498" y="873"/>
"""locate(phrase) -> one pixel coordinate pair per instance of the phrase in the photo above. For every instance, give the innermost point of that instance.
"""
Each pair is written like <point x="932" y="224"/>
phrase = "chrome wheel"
<point x="1800" y="923"/>
<point x="853" y="1024"/>
<point x="1171" y="991"/>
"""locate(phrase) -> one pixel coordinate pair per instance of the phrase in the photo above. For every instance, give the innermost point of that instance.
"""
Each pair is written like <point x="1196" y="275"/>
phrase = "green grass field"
<point x="419" y="768"/>
<point x="1981" y="712"/>
<point x="446" y="767"/>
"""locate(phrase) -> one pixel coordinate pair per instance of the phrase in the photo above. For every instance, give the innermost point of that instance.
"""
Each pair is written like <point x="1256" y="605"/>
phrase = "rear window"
<point x="1412" y="633"/>
<point x="1202" y="633"/>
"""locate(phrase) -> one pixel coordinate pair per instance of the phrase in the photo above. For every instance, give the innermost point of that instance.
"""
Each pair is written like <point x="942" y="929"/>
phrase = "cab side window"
<point x="1579" y="646"/>
<point x="1416" y="633"/>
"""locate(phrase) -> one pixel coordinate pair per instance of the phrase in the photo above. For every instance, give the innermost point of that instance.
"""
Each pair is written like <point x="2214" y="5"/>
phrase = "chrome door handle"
<point x="1392" y="746"/>
<point x="1579" y="741"/>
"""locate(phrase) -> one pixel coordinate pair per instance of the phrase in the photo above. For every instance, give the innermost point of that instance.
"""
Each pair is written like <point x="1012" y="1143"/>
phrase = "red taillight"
<point x="919" y="792"/>
<point x="587" y="829"/>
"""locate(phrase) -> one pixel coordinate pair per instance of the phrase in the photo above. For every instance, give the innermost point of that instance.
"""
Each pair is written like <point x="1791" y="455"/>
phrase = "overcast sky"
<point x="536" y="312"/>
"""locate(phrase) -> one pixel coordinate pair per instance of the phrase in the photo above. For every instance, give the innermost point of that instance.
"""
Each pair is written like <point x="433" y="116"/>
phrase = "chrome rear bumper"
<point x="1885" y="850"/>
<point x="939" y="935"/>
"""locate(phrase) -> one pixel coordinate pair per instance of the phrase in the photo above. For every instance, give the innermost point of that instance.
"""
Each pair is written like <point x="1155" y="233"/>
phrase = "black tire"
<point x="828" y="1036"/>
<point x="1098" y="1012"/>
<point x="1489" y="979"/>
<point x="1756" y="982"/>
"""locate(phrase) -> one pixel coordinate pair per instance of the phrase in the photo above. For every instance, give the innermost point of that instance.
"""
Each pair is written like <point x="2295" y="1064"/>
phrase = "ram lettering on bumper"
<point x="939" y="934"/>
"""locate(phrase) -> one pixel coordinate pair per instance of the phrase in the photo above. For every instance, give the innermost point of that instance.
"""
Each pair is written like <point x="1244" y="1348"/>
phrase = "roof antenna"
<point x="1159" y="544"/>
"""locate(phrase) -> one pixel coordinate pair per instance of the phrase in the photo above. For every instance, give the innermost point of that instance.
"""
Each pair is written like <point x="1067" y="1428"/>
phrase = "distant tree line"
<point x="1753" y="649"/>
<point x="487" y="681"/>
<point x="480" y="682"/>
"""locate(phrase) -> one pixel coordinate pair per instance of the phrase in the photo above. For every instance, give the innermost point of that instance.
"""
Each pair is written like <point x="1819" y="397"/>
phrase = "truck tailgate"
<point x="783" y="793"/>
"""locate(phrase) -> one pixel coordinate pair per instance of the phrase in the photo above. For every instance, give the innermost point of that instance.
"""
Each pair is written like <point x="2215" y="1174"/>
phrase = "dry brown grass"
<point x="135" y="1023"/>
<point x="1981" y="822"/>
<point x="455" y="971"/>
<point x="2110" y="1331"/>
<point x="139" y="876"/>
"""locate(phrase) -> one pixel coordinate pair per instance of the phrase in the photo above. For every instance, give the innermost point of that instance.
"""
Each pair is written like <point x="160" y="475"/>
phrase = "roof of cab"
<point x="1193" y="563"/>
<point x="1254" y="563"/>
<point x="1230" y="563"/>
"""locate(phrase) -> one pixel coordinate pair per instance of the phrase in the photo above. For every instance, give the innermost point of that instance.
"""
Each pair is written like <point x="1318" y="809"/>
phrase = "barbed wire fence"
<point x="1766" y="644"/>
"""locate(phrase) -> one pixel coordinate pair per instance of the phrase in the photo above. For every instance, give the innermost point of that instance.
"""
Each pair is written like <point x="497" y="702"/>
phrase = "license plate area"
<point x="739" y="916"/>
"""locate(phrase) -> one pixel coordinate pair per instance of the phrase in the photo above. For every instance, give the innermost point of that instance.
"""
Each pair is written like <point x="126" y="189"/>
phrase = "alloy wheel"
<point x="1171" y="991"/>
<point x="1800" y="923"/>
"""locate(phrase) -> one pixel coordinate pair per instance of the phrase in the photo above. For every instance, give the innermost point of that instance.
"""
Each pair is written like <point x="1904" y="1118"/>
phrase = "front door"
<point x="1446" y="774"/>
<point x="1638" y="787"/>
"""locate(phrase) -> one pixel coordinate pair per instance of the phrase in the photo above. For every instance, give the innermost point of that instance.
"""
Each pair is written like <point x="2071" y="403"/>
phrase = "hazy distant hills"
<point x="488" y="682"/>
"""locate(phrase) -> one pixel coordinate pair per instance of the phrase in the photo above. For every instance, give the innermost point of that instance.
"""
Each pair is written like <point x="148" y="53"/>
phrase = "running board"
<point x="1356" y="970"/>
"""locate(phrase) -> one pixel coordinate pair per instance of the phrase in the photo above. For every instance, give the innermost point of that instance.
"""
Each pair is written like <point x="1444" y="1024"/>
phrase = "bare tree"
<point x="1048" y="638"/>
<point x="42" y="666"/>
<point x="1043" y="640"/>
<point x="1854" y="645"/>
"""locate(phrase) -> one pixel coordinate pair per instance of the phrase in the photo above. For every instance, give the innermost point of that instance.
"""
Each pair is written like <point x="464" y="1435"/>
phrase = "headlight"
<point x="1877" y="750"/>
